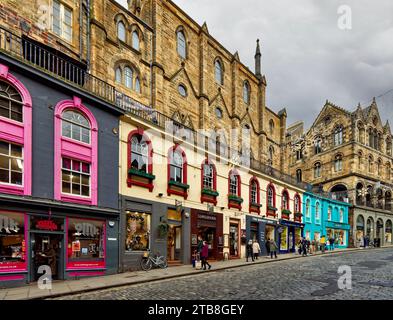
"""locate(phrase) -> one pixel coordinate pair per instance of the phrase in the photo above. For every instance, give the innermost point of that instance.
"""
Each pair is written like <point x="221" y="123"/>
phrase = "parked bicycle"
<point x="148" y="261"/>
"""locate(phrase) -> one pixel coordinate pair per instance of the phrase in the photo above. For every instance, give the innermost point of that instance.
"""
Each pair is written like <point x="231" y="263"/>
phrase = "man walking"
<point x="273" y="249"/>
<point x="249" y="250"/>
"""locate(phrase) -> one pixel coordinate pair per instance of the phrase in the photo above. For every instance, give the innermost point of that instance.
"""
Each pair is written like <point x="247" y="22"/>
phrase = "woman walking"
<point x="256" y="249"/>
<point x="204" y="256"/>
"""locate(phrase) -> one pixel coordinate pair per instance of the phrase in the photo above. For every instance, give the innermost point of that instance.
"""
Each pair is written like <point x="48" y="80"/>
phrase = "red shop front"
<point x="209" y="226"/>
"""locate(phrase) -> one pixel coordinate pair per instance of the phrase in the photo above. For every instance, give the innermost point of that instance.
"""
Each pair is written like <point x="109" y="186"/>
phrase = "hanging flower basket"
<point x="163" y="229"/>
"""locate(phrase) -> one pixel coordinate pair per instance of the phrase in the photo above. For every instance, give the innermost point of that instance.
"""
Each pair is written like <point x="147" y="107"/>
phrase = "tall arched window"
<point x="317" y="170"/>
<point x="128" y="75"/>
<point x="285" y="200"/>
<point x="299" y="177"/>
<point x="16" y="135"/>
<point x="371" y="138"/>
<point x="297" y="204"/>
<point x="341" y="215"/>
<point x="254" y="205"/>
<point x="317" y="145"/>
<point x="219" y="75"/>
<point x="76" y="176"/>
<point x="338" y="163"/>
<point x="137" y="85"/>
<point x="135" y="40"/>
<point x="254" y="192"/>
<point x="233" y="183"/>
<point x="271" y="197"/>
<point x="271" y="126"/>
<point x="370" y="164"/>
<point x="317" y="212"/>
<point x="177" y="172"/>
<point x="338" y="135"/>
<point x="181" y="44"/>
<point x="246" y="92"/>
<point x="271" y="156"/>
<point x="139" y="153"/>
<point x="121" y="31"/>
<point x="208" y="182"/>
<point x="118" y="76"/>
<point x="75" y="126"/>
<point x="308" y="209"/>
<point x="329" y="213"/>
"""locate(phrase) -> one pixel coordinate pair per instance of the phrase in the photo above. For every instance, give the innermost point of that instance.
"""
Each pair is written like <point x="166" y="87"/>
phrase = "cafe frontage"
<point x="65" y="243"/>
<point x="289" y="234"/>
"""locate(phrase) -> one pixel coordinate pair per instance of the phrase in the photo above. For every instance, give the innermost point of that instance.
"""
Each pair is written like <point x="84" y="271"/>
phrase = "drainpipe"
<point x="151" y="67"/>
<point x="88" y="35"/>
<point x="80" y="29"/>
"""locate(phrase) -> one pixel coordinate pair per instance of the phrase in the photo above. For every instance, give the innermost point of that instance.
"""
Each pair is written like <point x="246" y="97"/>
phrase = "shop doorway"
<point x="174" y="248"/>
<point x="234" y="239"/>
<point x="46" y="249"/>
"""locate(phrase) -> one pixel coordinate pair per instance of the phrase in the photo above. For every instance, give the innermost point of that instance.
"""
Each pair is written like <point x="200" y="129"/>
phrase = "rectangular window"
<point x="176" y="174"/>
<point x="11" y="163"/>
<point x="62" y="20"/>
<point x="233" y="186"/>
<point x="12" y="242"/>
<point x="138" y="231"/>
<point x="253" y="193"/>
<point x="75" y="177"/>
<point x="86" y="242"/>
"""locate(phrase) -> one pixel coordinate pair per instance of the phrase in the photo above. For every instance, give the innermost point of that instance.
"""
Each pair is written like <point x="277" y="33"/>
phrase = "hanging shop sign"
<point x="48" y="225"/>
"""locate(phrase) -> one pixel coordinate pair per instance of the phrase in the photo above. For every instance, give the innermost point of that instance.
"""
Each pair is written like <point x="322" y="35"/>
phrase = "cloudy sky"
<point x="306" y="57"/>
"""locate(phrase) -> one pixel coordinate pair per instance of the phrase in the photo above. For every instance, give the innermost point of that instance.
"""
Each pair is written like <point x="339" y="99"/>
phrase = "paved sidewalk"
<point x="69" y="287"/>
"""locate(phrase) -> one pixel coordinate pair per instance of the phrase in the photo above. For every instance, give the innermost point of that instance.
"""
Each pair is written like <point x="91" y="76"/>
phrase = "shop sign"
<point x="291" y="224"/>
<point x="46" y="225"/>
<point x="86" y="229"/>
<point x="206" y="217"/>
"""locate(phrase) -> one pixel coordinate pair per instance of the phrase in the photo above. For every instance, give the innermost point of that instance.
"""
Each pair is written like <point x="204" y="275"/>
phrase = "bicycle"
<point x="147" y="262"/>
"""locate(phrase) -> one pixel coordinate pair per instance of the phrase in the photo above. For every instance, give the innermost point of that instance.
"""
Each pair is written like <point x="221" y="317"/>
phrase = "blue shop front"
<point x="261" y="229"/>
<point x="289" y="234"/>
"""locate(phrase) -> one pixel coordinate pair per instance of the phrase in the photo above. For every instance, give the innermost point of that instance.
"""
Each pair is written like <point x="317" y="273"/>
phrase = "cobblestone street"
<point x="307" y="278"/>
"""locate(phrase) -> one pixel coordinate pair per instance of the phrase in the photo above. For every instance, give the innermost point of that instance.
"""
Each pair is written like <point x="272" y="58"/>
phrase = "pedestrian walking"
<point x="267" y="245"/>
<point x="200" y="244"/>
<point x="256" y="249"/>
<point x="205" y="255"/>
<point x="331" y="240"/>
<point x="273" y="249"/>
<point x="323" y="243"/>
<point x="304" y="247"/>
<point x="249" y="250"/>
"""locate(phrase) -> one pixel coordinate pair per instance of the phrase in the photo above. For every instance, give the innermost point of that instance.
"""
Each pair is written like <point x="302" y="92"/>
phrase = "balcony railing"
<point x="49" y="62"/>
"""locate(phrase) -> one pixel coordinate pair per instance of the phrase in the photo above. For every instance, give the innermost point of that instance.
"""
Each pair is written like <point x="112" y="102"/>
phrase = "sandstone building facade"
<point x="348" y="155"/>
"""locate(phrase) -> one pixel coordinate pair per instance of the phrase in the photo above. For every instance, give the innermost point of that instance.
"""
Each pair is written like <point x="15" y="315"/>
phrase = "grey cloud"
<point x="306" y="57"/>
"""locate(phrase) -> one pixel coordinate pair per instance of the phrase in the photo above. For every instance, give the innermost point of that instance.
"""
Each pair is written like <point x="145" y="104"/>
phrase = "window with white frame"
<point x="338" y="136"/>
<point x="330" y="214"/>
<point x="317" y="170"/>
<point x="121" y="31"/>
<point x="128" y="74"/>
<point x="341" y="215"/>
<point x="270" y="196"/>
<point x="254" y="192"/>
<point x="139" y="153"/>
<point x="118" y="76"/>
<point x="317" y="213"/>
<point x="297" y="204"/>
<point x="75" y="126"/>
<point x="208" y="176"/>
<point x="233" y="184"/>
<point x="62" y="20"/>
<point x="11" y="163"/>
<point x="338" y="163"/>
<point x="181" y="44"/>
<point x="135" y="40"/>
<point x="219" y="72"/>
<point x="176" y="167"/>
<point x="308" y="208"/>
<point x="75" y="177"/>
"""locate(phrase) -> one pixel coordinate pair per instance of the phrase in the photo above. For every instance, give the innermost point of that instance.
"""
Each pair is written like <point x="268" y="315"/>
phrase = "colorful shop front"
<point x="261" y="230"/>
<point x="326" y="217"/>
<point x="67" y="242"/>
<point x="289" y="235"/>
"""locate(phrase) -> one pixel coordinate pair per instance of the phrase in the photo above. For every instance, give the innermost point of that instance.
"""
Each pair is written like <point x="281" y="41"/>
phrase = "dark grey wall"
<point x="45" y="99"/>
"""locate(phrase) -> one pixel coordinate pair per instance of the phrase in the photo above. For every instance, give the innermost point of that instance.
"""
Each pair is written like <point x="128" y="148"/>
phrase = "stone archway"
<point x="370" y="228"/>
<point x="340" y="192"/>
<point x="359" y="231"/>
<point x="359" y="194"/>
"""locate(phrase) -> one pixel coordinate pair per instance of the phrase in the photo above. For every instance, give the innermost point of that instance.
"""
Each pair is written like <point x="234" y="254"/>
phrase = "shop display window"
<point x="284" y="239"/>
<point x="138" y="231"/>
<point x="12" y="242"/>
<point x="86" y="240"/>
<point x="269" y="230"/>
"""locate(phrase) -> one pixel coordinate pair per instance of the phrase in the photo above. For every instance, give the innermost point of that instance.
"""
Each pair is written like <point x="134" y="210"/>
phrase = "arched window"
<point x="341" y="215"/>
<point x="234" y="183"/>
<point x="208" y="176"/>
<point x="360" y="133"/>
<point x="16" y="135"/>
<point x="137" y="85"/>
<point x="271" y="126"/>
<point x="135" y="40"/>
<point x="317" y="145"/>
<point x="338" y="135"/>
<point x="297" y="204"/>
<point x="338" y="163"/>
<point x="121" y="31"/>
<point x="246" y="92"/>
<point x="139" y="153"/>
<point x="308" y="209"/>
<point x="371" y="138"/>
<point x="329" y="213"/>
<point x="76" y="177"/>
<point x="389" y="147"/>
<point x="317" y="212"/>
<point x="177" y="172"/>
<point x="128" y="74"/>
<point x="285" y="200"/>
<point x="370" y="164"/>
<point x="271" y="156"/>
<point x="181" y="45"/>
<point x="219" y="75"/>
<point x="271" y="196"/>
<point x="299" y="177"/>
<point x="118" y="76"/>
<point x="254" y="190"/>
<point x="317" y="170"/>
<point x="75" y="126"/>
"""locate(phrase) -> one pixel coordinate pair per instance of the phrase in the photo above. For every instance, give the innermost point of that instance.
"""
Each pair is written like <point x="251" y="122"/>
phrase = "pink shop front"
<point x="66" y="246"/>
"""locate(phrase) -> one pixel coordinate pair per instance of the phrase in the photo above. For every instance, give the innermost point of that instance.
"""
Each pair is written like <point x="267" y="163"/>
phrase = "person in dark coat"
<point x="267" y="245"/>
<point x="304" y="247"/>
<point x="205" y="255"/>
<point x="249" y="251"/>
<point x="273" y="249"/>
<point x="200" y="244"/>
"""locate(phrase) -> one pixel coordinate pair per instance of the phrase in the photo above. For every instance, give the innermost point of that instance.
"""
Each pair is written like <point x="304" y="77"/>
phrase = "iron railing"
<point x="51" y="63"/>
